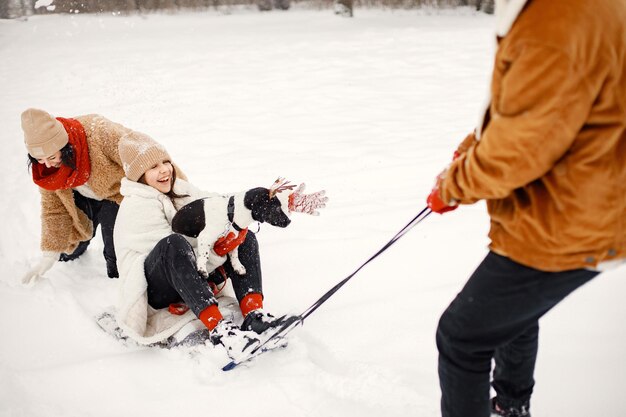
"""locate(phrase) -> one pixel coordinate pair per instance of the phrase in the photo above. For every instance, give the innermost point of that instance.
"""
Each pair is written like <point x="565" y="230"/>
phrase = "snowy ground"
<point x="369" y="109"/>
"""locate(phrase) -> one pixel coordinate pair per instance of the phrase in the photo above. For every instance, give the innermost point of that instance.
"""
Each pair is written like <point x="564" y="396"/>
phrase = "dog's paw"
<point x="240" y="269"/>
<point x="202" y="269"/>
<point x="236" y="263"/>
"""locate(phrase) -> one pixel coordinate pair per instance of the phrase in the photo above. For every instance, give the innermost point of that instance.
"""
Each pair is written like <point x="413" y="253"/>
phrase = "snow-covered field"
<point x="369" y="109"/>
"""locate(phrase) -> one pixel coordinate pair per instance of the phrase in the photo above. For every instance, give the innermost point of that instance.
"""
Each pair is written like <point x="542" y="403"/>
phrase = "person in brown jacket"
<point x="550" y="160"/>
<point x="75" y="163"/>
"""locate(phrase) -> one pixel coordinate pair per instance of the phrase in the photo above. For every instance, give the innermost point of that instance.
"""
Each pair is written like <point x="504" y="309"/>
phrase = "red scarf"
<point x="64" y="177"/>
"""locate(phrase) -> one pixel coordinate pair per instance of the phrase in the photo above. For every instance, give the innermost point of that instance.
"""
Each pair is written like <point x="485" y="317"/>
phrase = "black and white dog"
<point x="212" y="218"/>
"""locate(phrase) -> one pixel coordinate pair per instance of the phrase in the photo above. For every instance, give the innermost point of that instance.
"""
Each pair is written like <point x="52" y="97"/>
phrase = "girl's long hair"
<point x="67" y="157"/>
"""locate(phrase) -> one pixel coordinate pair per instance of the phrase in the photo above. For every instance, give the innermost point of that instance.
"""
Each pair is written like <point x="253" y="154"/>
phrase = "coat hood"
<point x="506" y="14"/>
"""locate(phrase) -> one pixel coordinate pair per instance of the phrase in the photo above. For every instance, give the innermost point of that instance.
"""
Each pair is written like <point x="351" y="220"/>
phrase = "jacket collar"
<point x="129" y="188"/>
<point x="133" y="188"/>
<point x="506" y="14"/>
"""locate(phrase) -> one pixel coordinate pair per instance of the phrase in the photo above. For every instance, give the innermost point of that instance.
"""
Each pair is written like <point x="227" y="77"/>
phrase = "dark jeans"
<point x="173" y="277"/>
<point x="496" y="316"/>
<point x="101" y="213"/>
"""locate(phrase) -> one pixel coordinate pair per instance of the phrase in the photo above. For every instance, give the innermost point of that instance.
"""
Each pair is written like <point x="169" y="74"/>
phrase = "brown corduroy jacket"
<point x="63" y="225"/>
<point x="551" y="160"/>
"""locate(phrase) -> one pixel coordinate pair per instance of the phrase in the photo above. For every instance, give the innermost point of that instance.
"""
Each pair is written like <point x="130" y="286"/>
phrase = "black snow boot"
<point x="234" y="340"/>
<point x="112" y="269"/>
<point x="504" y="411"/>
<point x="260" y="321"/>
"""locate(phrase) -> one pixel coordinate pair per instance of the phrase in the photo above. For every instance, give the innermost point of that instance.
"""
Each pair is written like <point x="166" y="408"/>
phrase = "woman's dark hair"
<point x="171" y="194"/>
<point x="67" y="157"/>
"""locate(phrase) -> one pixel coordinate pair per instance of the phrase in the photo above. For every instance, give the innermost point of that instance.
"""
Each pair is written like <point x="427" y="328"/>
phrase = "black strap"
<point x="231" y="213"/>
<point x="290" y="325"/>
<point x="417" y="219"/>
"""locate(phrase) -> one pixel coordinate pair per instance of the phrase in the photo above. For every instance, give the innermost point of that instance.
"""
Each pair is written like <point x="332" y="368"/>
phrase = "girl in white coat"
<point x="158" y="267"/>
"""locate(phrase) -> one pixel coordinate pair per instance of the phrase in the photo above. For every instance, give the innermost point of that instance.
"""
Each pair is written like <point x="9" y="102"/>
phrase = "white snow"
<point x="369" y="109"/>
<point x="45" y="3"/>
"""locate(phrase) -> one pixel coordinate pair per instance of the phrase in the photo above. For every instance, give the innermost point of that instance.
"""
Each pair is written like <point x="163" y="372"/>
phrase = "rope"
<point x="414" y="222"/>
<point x="290" y="324"/>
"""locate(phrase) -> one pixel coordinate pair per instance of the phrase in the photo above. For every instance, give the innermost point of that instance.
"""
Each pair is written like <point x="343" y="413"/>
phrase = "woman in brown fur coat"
<point x="77" y="167"/>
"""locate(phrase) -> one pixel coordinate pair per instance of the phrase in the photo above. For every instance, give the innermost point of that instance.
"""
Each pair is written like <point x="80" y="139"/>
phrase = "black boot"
<point x="504" y="411"/>
<point x="260" y="321"/>
<point x="112" y="270"/>
<point x="80" y="249"/>
<point x="234" y="339"/>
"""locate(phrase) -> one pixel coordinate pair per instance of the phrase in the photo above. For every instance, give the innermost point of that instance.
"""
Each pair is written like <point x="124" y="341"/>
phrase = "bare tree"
<point x="487" y="6"/>
<point x="267" y="5"/>
<point x="282" y="4"/>
<point x="10" y="9"/>
<point x="344" y="7"/>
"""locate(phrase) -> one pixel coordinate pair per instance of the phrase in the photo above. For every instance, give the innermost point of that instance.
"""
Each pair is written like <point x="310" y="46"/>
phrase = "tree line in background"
<point x="11" y="9"/>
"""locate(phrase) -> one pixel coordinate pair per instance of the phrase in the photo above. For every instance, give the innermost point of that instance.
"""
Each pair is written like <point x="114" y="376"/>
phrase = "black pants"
<point x="496" y="316"/>
<point x="173" y="277"/>
<point x="101" y="213"/>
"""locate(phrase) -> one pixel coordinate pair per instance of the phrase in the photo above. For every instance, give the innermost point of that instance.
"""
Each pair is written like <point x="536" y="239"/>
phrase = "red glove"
<point x="434" y="201"/>
<point x="436" y="204"/>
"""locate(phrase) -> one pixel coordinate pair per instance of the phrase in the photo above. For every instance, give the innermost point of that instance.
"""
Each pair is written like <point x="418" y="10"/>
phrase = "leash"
<point x="292" y="324"/>
<point x="414" y="222"/>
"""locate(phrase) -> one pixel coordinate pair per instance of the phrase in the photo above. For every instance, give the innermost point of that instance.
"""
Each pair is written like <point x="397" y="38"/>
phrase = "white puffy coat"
<point x="141" y="223"/>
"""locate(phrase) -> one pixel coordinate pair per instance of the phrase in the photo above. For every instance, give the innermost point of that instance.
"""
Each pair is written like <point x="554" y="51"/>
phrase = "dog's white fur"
<point x="217" y="225"/>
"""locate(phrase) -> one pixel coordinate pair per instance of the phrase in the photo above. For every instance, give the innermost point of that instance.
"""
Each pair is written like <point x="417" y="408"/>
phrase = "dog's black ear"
<point x="256" y="196"/>
<point x="189" y="220"/>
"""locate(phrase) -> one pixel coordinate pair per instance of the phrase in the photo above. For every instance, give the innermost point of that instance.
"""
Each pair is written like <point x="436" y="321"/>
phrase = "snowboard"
<point x="190" y="335"/>
<point x="194" y="335"/>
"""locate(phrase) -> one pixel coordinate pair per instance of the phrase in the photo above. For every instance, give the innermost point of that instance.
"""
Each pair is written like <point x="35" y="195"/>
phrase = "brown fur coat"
<point x="63" y="225"/>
